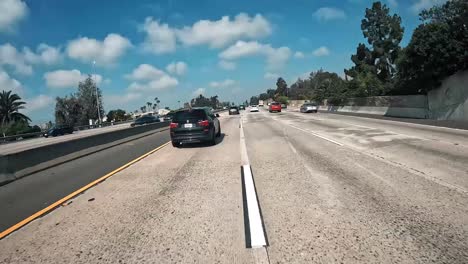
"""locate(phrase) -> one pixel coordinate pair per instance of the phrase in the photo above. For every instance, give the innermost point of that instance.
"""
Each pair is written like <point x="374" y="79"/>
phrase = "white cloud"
<point x="10" y="56"/>
<point x="163" y="83"/>
<point x="329" y="13"/>
<point x="45" y="55"/>
<point x="227" y="65"/>
<point x="37" y="103"/>
<point x="104" y="52"/>
<point x="271" y="76"/>
<point x="11" y="12"/>
<point x="160" y="38"/>
<point x="22" y="61"/>
<point x="179" y="68"/>
<point x="220" y="33"/>
<point x="420" y="5"/>
<point x="198" y="91"/>
<point x="276" y="57"/>
<point x="145" y="72"/>
<point x="148" y="78"/>
<point x="8" y="83"/>
<point x="320" y="52"/>
<point x="67" y="78"/>
<point x="223" y="84"/>
<point x="299" y="55"/>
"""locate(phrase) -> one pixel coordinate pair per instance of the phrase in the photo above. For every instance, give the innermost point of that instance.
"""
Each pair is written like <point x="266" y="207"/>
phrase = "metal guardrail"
<point x="77" y="128"/>
<point x="24" y="136"/>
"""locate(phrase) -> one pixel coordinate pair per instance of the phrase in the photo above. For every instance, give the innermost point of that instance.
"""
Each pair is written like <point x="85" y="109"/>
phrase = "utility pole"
<point x="97" y="94"/>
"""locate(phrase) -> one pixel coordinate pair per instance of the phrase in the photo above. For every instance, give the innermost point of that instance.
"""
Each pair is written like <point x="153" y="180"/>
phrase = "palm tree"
<point x="143" y="109"/>
<point x="156" y="102"/>
<point x="149" y="104"/>
<point x="10" y="104"/>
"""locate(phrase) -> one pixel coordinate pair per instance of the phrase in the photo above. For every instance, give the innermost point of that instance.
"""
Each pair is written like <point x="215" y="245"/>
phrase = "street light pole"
<point x="97" y="94"/>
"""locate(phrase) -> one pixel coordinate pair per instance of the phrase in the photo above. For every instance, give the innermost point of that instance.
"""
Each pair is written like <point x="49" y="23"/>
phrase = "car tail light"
<point x="173" y="125"/>
<point x="204" y="123"/>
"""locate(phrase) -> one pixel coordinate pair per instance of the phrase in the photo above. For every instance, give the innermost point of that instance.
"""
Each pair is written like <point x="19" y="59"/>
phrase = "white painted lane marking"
<point x="317" y="135"/>
<point x="257" y="234"/>
<point x="292" y="147"/>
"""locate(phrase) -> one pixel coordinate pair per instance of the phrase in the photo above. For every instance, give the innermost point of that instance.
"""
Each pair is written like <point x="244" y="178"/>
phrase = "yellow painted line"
<point x="75" y="193"/>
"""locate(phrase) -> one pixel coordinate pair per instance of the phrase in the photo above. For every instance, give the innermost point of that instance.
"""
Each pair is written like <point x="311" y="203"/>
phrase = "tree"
<point x="200" y="101"/>
<point x="156" y="102"/>
<point x="383" y="33"/>
<point x="214" y="102"/>
<point x="149" y="104"/>
<point x="263" y="96"/>
<point x="10" y="104"/>
<point x="68" y="110"/>
<point x="89" y="101"/>
<point x="438" y="48"/>
<point x="117" y="115"/>
<point x="254" y="100"/>
<point x="271" y="93"/>
<point x="281" y="87"/>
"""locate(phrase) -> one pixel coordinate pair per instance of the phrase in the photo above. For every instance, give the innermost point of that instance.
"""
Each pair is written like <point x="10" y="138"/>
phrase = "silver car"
<point x="309" y="108"/>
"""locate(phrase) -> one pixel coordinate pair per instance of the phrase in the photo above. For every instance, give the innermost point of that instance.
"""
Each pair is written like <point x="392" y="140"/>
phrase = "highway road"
<point x="331" y="189"/>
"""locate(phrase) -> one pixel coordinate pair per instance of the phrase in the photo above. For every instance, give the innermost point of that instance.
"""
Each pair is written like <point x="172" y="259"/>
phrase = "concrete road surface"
<point x="332" y="189"/>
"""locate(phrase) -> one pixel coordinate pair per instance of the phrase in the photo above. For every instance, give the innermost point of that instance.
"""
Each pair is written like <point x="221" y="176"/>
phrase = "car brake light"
<point x="204" y="123"/>
<point x="173" y="125"/>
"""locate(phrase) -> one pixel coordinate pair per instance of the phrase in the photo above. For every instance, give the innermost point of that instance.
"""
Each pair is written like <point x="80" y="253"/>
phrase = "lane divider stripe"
<point x="257" y="234"/>
<point x="75" y="193"/>
<point x="317" y="135"/>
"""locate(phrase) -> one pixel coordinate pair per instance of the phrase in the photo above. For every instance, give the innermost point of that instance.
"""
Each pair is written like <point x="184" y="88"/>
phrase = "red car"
<point x="275" y="107"/>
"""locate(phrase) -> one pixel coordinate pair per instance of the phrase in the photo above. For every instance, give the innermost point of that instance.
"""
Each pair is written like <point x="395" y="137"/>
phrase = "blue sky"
<point x="174" y="49"/>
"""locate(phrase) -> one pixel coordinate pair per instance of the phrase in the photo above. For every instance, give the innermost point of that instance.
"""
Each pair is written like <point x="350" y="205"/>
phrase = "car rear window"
<point x="275" y="103"/>
<point x="233" y="107"/>
<point x="191" y="115"/>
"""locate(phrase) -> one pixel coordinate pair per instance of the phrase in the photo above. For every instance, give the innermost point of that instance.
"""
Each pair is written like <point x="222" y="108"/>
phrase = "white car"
<point x="253" y="108"/>
<point x="308" y="108"/>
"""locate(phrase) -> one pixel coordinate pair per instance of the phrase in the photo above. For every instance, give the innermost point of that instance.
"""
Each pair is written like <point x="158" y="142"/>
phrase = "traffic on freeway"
<point x="330" y="188"/>
<point x="165" y="131"/>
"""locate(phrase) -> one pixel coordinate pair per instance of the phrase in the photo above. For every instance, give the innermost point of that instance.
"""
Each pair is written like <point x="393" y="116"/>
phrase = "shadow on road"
<point x="204" y="144"/>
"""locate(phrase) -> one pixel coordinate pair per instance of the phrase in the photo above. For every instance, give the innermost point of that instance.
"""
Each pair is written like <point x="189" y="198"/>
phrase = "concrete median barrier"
<point x="17" y="165"/>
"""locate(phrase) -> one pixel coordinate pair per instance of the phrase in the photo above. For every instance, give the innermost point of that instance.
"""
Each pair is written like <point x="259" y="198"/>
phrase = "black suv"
<point x="145" y="120"/>
<point x="234" y="110"/>
<point x="58" y="130"/>
<point x="194" y="125"/>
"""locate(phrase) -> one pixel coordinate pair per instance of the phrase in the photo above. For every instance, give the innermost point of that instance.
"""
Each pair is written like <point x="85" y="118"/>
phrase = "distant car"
<point x="274" y="107"/>
<point x="284" y="106"/>
<point x="145" y="120"/>
<point x="193" y="126"/>
<point x="309" y="108"/>
<point x="241" y="107"/>
<point x="168" y="117"/>
<point x="58" y="130"/>
<point x="234" y="110"/>
<point x="253" y="108"/>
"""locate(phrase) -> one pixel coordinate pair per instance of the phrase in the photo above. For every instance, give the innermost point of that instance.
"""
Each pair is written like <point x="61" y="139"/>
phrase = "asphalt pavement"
<point x="331" y="189"/>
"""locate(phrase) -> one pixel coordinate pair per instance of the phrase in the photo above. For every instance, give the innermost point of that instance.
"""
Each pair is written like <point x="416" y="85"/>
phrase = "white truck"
<point x="260" y="103"/>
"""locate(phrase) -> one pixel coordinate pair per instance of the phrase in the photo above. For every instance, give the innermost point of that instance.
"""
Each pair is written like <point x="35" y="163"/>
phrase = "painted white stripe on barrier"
<point x="257" y="235"/>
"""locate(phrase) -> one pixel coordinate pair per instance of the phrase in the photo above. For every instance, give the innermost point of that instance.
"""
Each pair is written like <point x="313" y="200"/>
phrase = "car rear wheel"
<point x="212" y="141"/>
